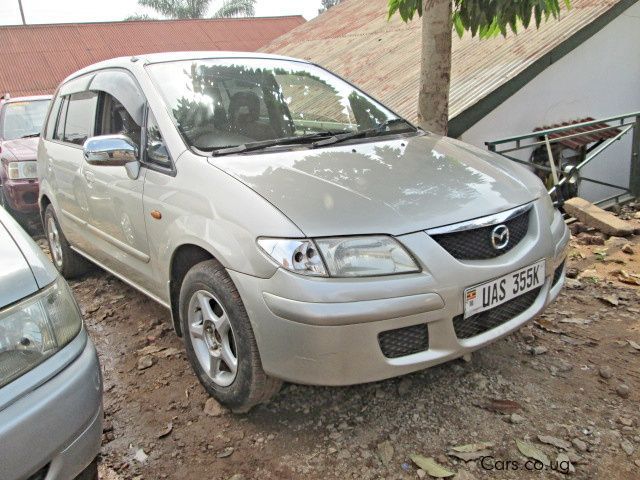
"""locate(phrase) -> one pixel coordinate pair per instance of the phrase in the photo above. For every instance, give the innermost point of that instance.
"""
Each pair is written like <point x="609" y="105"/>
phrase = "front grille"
<point x="557" y="274"/>
<point x="40" y="474"/>
<point x="404" y="341"/>
<point x="484" y="321"/>
<point x="475" y="244"/>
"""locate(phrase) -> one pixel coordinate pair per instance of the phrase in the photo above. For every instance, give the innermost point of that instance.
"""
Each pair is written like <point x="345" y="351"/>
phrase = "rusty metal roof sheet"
<point x="36" y="58"/>
<point x="581" y="136"/>
<point x="355" y="40"/>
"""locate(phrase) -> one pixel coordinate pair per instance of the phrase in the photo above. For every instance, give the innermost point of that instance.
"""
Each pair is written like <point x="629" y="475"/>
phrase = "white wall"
<point x="599" y="78"/>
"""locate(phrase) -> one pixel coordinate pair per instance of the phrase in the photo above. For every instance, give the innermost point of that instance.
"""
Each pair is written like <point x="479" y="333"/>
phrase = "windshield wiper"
<point x="251" y="146"/>
<point x="31" y="135"/>
<point x="382" y="129"/>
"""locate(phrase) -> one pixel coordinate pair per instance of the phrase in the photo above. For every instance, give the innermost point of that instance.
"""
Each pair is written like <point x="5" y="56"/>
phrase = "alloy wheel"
<point x="54" y="241"/>
<point x="212" y="338"/>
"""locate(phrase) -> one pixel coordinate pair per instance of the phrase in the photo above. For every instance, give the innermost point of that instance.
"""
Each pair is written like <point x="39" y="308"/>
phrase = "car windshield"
<point x="222" y="103"/>
<point x="23" y="119"/>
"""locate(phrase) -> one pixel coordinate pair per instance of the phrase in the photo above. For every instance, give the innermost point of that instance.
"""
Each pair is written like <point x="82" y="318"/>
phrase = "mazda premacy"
<point x="296" y="228"/>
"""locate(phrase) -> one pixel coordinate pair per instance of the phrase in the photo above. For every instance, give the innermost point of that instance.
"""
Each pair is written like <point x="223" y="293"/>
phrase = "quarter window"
<point x="157" y="152"/>
<point x="53" y="118"/>
<point x="59" y="133"/>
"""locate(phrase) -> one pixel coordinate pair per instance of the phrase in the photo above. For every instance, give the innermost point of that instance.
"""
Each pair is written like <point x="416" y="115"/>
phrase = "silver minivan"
<point x="296" y="228"/>
<point x="50" y="381"/>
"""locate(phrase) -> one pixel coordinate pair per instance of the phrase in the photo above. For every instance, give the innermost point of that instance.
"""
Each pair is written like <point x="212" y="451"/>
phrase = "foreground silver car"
<point x="50" y="384"/>
<point x="297" y="229"/>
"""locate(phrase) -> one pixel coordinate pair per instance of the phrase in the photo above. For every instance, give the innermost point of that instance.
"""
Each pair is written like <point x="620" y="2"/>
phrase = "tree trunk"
<point x="435" y="74"/>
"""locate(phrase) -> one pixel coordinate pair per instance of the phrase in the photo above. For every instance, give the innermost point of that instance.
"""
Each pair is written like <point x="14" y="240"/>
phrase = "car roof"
<point x="151" y="58"/>
<point x="30" y="98"/>
<point x="27" y="98"/>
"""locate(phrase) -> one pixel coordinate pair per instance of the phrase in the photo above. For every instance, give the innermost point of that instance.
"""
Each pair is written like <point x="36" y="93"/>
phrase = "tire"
<point x="69" y="263"/>
<point x="3" y="201"/>
<point x="223" y="332"/>
<point x="89" y="473"/>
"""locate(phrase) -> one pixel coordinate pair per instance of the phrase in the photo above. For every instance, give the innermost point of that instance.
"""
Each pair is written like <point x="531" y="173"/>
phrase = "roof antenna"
<point x="6" y="96"/>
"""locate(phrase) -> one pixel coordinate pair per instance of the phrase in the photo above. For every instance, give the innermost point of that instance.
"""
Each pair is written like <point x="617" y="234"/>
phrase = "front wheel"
<point x="219" y="340"/>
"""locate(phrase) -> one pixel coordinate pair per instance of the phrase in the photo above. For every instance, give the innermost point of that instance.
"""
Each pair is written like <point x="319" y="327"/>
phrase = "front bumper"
<point x="57" y="427"/>
<point x="326" y="331"/>
<point x="22" y="195"/>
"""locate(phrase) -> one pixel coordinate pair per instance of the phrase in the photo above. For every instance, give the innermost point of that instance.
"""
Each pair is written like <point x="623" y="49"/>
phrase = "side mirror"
<point x="113" y="150"/>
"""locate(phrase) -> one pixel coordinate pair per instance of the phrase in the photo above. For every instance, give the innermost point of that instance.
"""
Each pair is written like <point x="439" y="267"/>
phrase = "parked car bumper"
<point x="326" y="331"/>
<point x="55" y="429"/>
<point x="22" y="195"/>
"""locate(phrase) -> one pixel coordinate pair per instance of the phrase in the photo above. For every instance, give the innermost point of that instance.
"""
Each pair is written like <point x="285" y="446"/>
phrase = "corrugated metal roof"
<point x="596" y="132"/>
<point x="36" y="58"/>
<point x="355" y="40"/>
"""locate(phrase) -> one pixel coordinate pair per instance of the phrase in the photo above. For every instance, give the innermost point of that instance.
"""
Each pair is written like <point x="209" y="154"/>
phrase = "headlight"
<point x="547" y="206"/>
<point x="365" y="256"/>
<point x="300" y="256"/>
<point x="341" y="257"/>
<point x="22" y="170"/>
<point x="34" y="329"/>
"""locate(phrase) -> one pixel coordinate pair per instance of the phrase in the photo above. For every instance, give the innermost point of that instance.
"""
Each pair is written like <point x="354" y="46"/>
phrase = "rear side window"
<point x="77" y="118"/>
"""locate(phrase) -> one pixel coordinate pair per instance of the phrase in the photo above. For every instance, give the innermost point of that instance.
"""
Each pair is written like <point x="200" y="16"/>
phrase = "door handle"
<point x="89" y="176"/>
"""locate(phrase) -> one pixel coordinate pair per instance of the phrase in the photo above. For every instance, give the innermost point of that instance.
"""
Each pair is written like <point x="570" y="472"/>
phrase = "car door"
<point x="63" y="157"/>
<point x="114" y="199"/>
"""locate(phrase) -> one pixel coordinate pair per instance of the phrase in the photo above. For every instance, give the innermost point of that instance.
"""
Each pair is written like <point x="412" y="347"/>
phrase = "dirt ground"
<point x="567" y="384"/>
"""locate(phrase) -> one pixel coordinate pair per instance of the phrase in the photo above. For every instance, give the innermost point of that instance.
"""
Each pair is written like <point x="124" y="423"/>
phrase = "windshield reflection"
<point x="230" y="102"/>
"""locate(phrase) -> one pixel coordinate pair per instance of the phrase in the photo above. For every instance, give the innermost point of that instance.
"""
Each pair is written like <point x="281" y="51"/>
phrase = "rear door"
<point x="71" y="123"/>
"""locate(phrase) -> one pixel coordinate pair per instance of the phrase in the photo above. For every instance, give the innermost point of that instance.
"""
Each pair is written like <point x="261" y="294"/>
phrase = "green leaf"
<point x="430" y="466"/>
<point x="537" y="11"/>
<point x="458" y="25"/>
<point x="485" y="18"/>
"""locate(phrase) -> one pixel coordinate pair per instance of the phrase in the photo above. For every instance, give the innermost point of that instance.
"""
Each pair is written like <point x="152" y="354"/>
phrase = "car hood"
<point x="394" y="186"/>
<point x="24" y="268"/>
<point x="16" y="279"/>
<point x="22" y="148"/>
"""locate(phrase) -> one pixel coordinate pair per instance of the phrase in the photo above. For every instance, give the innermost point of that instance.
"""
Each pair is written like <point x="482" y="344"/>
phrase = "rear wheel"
<point x="69" y="263"/>
<point x="219" y="340"/>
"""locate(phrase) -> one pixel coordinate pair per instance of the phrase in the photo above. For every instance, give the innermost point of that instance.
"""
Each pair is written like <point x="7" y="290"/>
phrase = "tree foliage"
<point x="327" y="4"/>
<point x="181" y="9"/>
<point x="178" y="9"/>
<point x="236" y="8"/>
<point x="487" y="18"/>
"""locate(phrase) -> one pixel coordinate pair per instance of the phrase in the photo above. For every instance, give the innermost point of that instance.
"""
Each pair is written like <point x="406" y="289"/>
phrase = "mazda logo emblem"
<point x="500" y="237"/>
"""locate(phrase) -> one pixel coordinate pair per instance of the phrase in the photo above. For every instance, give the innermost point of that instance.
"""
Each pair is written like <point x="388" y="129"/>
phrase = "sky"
<point x="61" y="11"/>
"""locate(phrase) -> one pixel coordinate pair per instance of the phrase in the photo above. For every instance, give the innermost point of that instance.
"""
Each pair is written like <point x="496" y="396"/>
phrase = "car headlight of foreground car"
<point x="34" y="329"/>
<point x="366" y="256"/>
<point x="22" y="170"/>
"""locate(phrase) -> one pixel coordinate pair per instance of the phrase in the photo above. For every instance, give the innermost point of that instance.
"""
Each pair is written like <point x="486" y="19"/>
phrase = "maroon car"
<point x="21" y="121"/>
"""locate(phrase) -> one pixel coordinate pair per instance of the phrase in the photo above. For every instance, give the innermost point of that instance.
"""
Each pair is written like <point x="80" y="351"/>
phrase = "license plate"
<point x="496" y="292"/>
